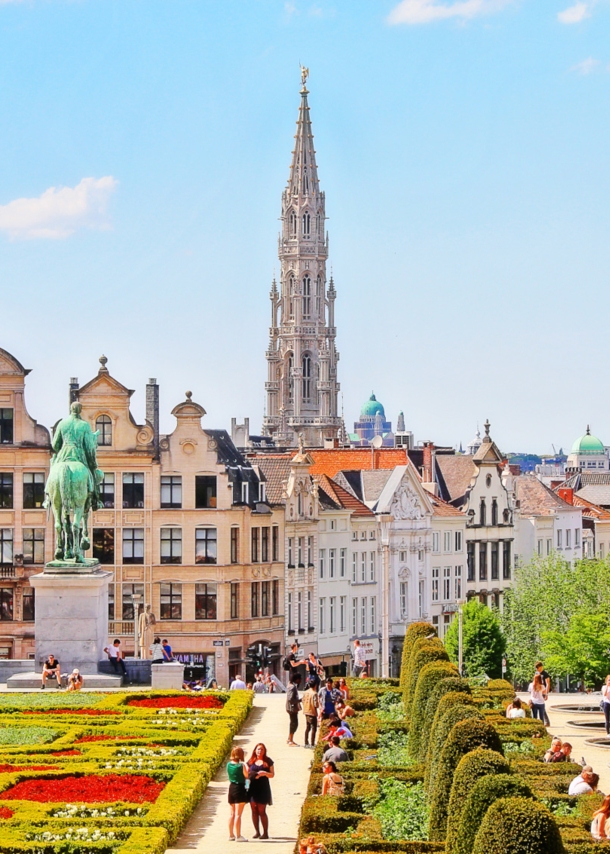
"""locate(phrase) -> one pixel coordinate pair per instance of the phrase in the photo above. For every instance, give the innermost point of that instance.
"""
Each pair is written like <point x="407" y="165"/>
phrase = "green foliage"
<point x="415" y="631"/>
<point x="390" y="707"/>
<point x="451" y="709"/>
<point x="393" y="749"/>
<point x="429" y="677"/>
<point x="581" y="650"/>
<point x="424" y="652"/>
<point x="483" y="641"/>
<point x="48" y="700"/>
<point x="484" y="793"/>
<point x="13" y="735"/>
<point x="450" y="685"/>
<point x="513" y="748"/>
<point x="518" y="826"/>
<point x="402" y="810"/>
<point x="472" y="767"/>
<point x="465" y="736"/>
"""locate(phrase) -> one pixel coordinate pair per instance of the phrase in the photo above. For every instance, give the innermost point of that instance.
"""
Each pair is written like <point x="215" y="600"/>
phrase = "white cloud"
<point x="576" y="13"/>
<point x="586" y="66"/>
<point x="58" y="212"/>
<point x="425" y="11"/>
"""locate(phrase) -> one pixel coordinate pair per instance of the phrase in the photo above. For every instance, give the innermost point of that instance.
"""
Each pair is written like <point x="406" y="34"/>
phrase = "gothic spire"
<point x="303" y="178"/>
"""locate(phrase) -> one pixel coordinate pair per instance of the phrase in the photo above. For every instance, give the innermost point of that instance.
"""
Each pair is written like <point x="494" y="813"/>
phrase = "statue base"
<point x="71" y="617"/>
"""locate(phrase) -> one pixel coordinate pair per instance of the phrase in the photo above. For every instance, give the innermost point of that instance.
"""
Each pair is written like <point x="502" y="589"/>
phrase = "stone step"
<point x="33" y="680"/>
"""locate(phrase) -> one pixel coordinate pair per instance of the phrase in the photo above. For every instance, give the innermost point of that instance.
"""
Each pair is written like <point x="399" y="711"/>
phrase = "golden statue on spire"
<point x="304" y="75"/>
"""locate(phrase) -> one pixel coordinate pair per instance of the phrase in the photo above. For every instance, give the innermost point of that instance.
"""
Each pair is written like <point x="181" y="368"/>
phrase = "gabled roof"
<point x="342" y="498"/>
<point x="596" y="494"/>
<point x="329" y="461"/>
<point x="441" y="508"/>
<point x="457" y="473"/>
<point x="590" y="510"/>
<point x="536" y="499"/>
<point x="276" y="471"/>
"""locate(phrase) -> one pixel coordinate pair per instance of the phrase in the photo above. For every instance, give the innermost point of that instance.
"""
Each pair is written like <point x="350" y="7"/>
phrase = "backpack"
<point x="286" y="664"/>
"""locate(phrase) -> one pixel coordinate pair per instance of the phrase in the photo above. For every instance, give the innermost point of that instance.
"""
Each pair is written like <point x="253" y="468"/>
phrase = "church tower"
<point x="302" y="387"/>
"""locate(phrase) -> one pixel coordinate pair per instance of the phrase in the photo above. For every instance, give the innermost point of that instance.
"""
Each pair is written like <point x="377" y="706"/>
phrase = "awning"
<point x="330" y="660"/>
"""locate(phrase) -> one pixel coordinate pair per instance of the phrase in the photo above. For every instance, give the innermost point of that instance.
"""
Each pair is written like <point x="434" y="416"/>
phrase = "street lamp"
<point x="137" y="599"/>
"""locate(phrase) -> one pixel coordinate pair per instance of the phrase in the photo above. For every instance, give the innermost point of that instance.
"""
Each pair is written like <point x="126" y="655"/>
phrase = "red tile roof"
<point x="441" y="508"/>
<point x="590" y="510"/>
<point x="536" y="499"/>
<point x="329" y="461"/>
<point x="342" y="497"/>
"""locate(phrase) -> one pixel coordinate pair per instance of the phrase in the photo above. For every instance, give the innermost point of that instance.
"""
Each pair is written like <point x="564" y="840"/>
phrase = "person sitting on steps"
<point x="51" y="670"/>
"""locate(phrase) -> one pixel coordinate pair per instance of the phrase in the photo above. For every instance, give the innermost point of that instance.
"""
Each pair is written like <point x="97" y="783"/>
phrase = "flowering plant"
<point x="10" y="769"/>
<point x="81" y="811"/>
<point x="89" y="789"/>
<point x="91" y="712"/>
<point x="6" y="813"/>
<point x="195" y="702"/>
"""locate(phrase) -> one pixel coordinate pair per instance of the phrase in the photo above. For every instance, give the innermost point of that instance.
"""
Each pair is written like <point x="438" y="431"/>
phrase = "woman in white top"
<point x="515" y="710"/>
<point x="600" y="827"/>
<point x="606" y="700"/>
<point x="537" y="697"/>
<point x="156" y="651"/>
<point x="584" y="784"/>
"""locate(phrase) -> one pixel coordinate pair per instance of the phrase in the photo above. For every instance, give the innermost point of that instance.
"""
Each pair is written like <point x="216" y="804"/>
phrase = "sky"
<point x="463" y="148"/>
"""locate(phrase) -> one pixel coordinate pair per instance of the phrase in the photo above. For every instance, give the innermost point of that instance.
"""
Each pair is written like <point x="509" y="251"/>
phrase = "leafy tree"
<point x="483" y="641"/>
<point x="580" y="651"/>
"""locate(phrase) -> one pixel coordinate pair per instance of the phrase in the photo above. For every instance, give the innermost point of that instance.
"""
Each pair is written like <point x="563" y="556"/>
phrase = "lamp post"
<point x="136" y="598"/>
<point x="385" y="520"/>
<point x="460" y="639"/>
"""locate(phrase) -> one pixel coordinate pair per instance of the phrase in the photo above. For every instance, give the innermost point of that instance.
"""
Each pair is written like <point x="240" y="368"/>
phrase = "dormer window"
<point x="262" y="491"/>
<point x="103" y="425"/>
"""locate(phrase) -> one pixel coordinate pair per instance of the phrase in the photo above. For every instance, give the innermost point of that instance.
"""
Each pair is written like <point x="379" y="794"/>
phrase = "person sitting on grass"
<point x="311" y="846"/>
<point x="75" y="680"/>
<point x="563" y="754"/>
<point x="555" y="746"/>
<point x="600" y="826"/>
<point x="51" y="670"/>
<point x="335" y="753"/>
<point x="586" y="782"/>
<point x="515" y="710"/>
<point x="332" y="783"/>
<point x="343" y="710"/>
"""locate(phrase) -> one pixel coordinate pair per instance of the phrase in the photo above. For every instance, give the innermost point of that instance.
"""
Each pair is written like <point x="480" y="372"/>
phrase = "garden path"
<point x="207" y="829"/>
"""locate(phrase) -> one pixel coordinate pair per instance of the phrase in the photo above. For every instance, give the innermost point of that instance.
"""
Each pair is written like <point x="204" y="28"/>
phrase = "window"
<point x="457" y="582"/>
<point x="205" y="492"/>
<point x="447" y="541"/>
<point x="372" y="566"/>
<point x="322" y="627"/>
<point x="332" y="559"/>
<point x="354" y="617"/>
<point x="539" y="548"/>
<point x="332" y="606"/>
<point x="265" y="545"/>
<point x="494" y="512"/>
<point x="234" y="600"/>
<point x="568" y="538"/>
<point x="133" y="545"/>
<point x="127" y="594"/>
<point x="205" y="545"/>
<point x="275" y="543"/>
<point x="254" y="535"/>
<point x="354" y="567"/>
<point x="506" y="561"/>
<point x="306" y="222"/>
<point x="309" y="551"/>
<point x="506" y="516"/>
<point x="111" y="601"/>
<point x="495" y="553"/>
<point x="576" y="537"/>
<point x="310" y="625"/>
<point x="6" y="491"/>
<point x="404" y="599"/>
<point x="264" y="599"/>
<point x="290" y="551"/>
<point x="342" y="607"/>
<point x="559" y="539"/>
<point x="446" y="583"/>
<point x="483" y="513"/>
<point x="363" y="567"/>
<point x="262" y="491"/>
<point x="275" y="598"/>
<point x="470" y="561"/>
<point x="402" y="556"/>
<point x="322" y="560"/>
<point x="354" y="535"/>
<point x="171" y="490"/>
<point x="6" y="603"/>
<point x="342" y="562"/>
<point x="292" y="219"/>
<point x="33" y="545"/>
<point x="436" y="571"/>
<point x="6" y="426"/>
<point x="458" y="541"/>
<point x="482" y="561"/>
<point x="171" y="601"/>
<point x="306" y="298"/>
<point x="206" y="599"/>
<point x="301" y="545"/>
<point x="436" y="542"/>
<point x="234" y="545"/>
<point x="373" y="614"/>
<point x="254" y="596"/>
<point x="107" y="491"/>
<point x="300" y="611"/>
<point x="103" y="424"/>
<point x="133" y="490"/>
<point x="171" y="545"/>
<point x="245" y="493"/>
<point x="290" y="621"/>
<point x="29" y="604"/>
<point x="363" y="614"/>
<point x="33" y="490"/>
<point x="421" y="595"/>
<point x="103" y="545"/>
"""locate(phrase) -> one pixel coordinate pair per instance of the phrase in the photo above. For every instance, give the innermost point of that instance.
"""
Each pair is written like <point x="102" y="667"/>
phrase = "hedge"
<point x="464" y="737"/>
<point x="428" y="679"/>
<point x="450" y="685"/>
<point x="444" y="722"/>
<point x="471" y="768"/>
<point x="518" y="826"/>
<point x="416" y="631"/>
<point x="483" y="794"/>
<point x="424" y="652"/>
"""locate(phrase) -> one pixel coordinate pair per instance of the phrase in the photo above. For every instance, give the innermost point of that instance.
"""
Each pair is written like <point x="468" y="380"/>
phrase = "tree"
<point x="582" y="651"/>
<point x="483" y="641"/>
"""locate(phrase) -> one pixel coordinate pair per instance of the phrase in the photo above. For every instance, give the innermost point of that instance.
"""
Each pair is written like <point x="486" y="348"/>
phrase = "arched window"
<point x="306" y="297"/>
<point x="306" y="224"/>
<point x="305" y="183"/>
<point x="494" y="512"/>
<point x="506" y="517"/>
<point x="103" y="423"/>
<point x="307" y="377"/>
<point x="318" y="232"/>
<point x="483" y="513"/>
<point x="292" y="219"/>
<point x="291" y="292"/>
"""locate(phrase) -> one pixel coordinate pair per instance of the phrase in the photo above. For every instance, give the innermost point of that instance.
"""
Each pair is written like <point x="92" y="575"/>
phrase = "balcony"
<point x="7" y="570"/>
<point x="121" y="628"/>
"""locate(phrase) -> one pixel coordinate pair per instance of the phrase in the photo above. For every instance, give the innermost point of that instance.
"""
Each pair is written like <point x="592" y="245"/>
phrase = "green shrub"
<point x="450" y="685"/>
<point x="483" y="794"/>
<point x="393" y="748"/>
<point x="390" y="707"/>
<point x="321" y="815"/>
<point x="444" y="721"/>
<point x="424" y="652"/>
<point x="414" y="633"/>
<point x="474" y="765"/>
<point x="465" y="736"/>
<point x="518" y="826"/>
<point x="429" y="677"/>
<point x="402" y="810"/>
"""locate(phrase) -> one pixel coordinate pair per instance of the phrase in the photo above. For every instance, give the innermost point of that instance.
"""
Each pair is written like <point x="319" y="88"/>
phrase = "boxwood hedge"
<point x="444" y="722"/>
<point x="428" y="679"/>
<point x="518" y="826"/>
<point x="415" y="632"/>
<point x="449" y="685"/>
<point x="424" y="652"/>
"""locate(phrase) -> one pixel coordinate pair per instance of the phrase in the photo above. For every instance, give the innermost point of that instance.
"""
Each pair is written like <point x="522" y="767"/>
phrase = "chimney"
<point x="567" y="494"/>
<point x="152" y="410"/>
<point x="73" y="391"/>
<point x="427" y="473"/>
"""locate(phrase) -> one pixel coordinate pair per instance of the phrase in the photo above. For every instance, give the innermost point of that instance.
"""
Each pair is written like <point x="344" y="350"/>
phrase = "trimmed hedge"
<point x="444" y="722"/>
<point x="450" y="685"/>
<point x="518" y="826"/>
<point x="472" y="767"/>
<point x="429" y="677"/>
<point x="464" y="737"/>
<point x="483" y="794"/>
<point x="415" y="632"/>
<point x="424" y="652"/>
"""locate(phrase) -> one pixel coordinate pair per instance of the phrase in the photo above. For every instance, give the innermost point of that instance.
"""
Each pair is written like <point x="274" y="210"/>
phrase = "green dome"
<point x="588" y="444"/>
<point x="371" y="408"/>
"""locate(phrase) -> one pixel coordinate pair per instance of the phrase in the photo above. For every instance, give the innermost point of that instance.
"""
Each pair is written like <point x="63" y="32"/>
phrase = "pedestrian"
<point x="332" y="783"/>
<point x="310" y="710"/>
<point x="167" y="651"/>
<point x="237" y="684"/>
<point x="259" y="685"/>
<point x="328" y="695"/>
<point x="546" y="682"/>
<point x="606" y="703"/>
<point x="293" y="706"/>
<point x="260" y="771"/>
<point x="115" y="657"/>
<point x="314" y="669"/>
<point x="537" y="697"/>
<point x="237" y="771"/>
<point x="359" y="663"/>
<point x="51" y="670"/>
<point x="156" y="652"/>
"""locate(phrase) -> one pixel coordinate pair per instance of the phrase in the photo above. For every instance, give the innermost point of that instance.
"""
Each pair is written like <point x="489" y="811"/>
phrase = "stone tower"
<point x="302" y="387"/>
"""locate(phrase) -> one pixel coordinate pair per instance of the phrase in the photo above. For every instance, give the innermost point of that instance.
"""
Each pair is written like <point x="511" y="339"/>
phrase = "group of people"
<point x="51" y="669"/>
<point x="249" y="783"/>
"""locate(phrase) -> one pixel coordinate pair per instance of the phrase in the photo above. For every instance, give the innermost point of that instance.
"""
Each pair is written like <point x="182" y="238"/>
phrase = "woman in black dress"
<point x="260" y="771"/>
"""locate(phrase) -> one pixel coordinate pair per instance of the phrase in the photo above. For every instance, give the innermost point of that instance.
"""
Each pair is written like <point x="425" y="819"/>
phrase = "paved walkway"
<point x="207" y="829"/>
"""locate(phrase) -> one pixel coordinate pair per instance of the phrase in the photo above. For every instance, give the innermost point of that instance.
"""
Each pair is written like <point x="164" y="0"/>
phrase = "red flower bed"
<point x="67" y="753"/>
<point x="87" y="790"/>
<point x="8" y="769"/>
<point x="178" y="703"/>
<point x="87" y="738"/>
<point x="92" y="712"/>
<point x="5" y="812"/>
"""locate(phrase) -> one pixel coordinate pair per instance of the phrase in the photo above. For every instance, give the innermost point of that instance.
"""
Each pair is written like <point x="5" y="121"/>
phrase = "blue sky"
<point x="463" y="147"/>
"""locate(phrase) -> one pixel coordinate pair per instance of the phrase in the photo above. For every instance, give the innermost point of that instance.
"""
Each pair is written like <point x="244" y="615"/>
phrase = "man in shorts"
<point x="51" y="670"/>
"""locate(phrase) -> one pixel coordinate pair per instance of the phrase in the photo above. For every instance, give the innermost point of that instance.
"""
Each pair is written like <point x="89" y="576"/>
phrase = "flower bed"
<point x="194" y="702"/>
<point x="87" y="790"/>
<point x="91" y="712"/>
<point x="5" y="813"/>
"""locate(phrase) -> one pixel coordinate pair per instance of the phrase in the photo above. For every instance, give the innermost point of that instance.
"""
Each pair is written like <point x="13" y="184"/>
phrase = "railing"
<point x="121" y="628"/>
<point x="7" y="570"/>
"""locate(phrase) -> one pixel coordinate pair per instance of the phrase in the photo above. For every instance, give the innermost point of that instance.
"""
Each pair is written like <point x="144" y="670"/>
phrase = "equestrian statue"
<point x="72" y="489"/>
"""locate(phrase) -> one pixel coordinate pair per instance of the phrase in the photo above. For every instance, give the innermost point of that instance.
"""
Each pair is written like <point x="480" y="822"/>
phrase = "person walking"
<point x="359" y="664"/>
<point x="237" y="771"/>
<point x="546" y="682"/>
<point x="293" y="706"/>
<point x="310" y="710"/>
<point x="237" y="684"/>
<point x="537" y="697"/>
<point x="606" y="702"/>
<point x="260" y="771"/>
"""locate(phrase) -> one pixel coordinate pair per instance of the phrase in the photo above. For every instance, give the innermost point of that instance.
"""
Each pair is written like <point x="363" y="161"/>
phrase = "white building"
<point x="544" y="522"/>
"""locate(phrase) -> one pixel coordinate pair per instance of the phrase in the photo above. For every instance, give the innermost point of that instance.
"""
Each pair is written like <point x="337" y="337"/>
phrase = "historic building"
<point x="372" y="422"/>
<point x="546" y="522"/>
<point x="302" y="387"/>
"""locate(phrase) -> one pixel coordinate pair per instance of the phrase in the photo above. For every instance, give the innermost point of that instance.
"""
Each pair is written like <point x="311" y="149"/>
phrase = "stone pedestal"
<point x="168" y="675"/>
<point x="71" y="614"/>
